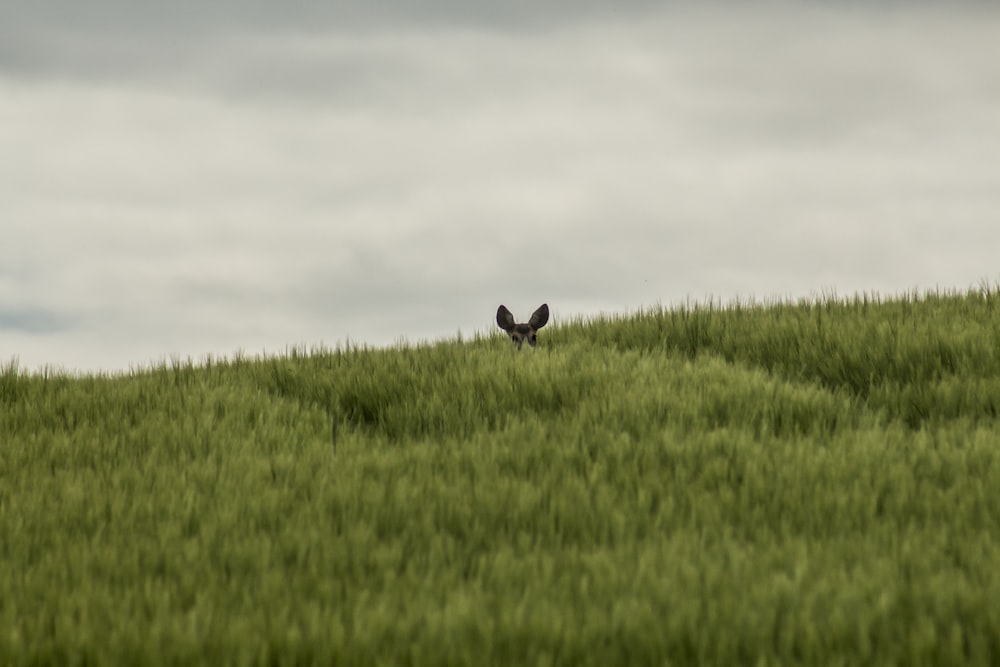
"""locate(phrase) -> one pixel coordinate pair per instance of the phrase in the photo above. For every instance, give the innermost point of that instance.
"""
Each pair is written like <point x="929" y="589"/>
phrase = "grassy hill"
<point x="811" y="483"/>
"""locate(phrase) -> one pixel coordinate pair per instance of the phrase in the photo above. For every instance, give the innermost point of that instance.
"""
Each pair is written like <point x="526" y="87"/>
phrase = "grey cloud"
<point x="301" y="15"/>
<point x="121" y="40"/>
<point x="33" y="320"/>
<point x="781" y="63"/>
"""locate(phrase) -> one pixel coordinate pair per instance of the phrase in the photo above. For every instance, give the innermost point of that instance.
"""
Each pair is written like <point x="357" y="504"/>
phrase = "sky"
<point x="182" y="179"/>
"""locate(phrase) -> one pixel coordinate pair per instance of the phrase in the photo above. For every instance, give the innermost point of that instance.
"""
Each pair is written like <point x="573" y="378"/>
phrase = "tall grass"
<point x="810" y="483"/>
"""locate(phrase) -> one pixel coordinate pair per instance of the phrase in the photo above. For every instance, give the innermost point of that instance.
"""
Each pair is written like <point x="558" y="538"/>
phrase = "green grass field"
<point x="748" y="484"/>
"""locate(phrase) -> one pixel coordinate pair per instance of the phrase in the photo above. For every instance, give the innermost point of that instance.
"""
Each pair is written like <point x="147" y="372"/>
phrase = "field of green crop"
<point x="747" y="484"/>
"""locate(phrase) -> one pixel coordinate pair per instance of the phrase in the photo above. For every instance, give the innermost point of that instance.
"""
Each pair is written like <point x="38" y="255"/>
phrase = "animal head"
<point x="523" y="332"/>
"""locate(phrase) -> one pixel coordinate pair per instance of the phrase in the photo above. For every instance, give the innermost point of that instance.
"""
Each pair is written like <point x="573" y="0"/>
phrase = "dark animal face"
<point x="519" y="333"/>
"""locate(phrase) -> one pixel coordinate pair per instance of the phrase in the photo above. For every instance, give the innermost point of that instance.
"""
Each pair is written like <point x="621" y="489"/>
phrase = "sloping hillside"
<point x="792" y="483"/>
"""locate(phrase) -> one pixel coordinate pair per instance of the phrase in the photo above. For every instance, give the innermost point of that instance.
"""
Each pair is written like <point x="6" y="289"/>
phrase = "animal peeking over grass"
<point x="526" y="331"/>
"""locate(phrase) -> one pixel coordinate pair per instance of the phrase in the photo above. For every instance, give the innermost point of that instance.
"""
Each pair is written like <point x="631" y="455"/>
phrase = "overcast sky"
<point x="187" y="178"/>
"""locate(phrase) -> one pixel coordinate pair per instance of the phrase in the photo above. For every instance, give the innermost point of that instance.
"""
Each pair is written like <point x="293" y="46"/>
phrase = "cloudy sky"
<point x="187" y="178"/>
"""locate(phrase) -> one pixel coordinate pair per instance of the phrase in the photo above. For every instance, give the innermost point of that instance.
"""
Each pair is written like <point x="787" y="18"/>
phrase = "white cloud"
<point x="286" y="187"/>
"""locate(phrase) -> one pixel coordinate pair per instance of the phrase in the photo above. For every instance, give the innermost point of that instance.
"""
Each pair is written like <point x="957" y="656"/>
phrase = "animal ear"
<point x="539" y="317"/>
<point x="505" y="320"/>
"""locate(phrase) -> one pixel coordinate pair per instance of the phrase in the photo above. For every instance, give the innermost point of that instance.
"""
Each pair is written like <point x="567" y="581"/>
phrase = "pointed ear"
<point x="539" y="317"/>
<point x="505" y="320"/>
